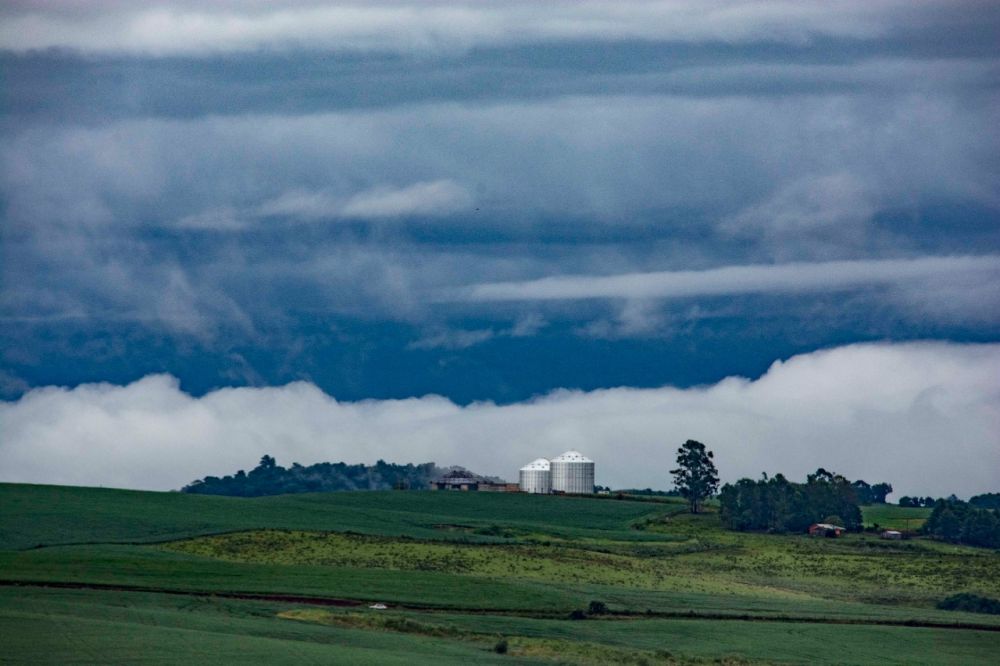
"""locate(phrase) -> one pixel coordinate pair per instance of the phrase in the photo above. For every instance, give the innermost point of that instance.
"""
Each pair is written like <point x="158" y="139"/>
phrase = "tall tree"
<point x="880" y="491"/>
<point x="948" y="527"/>
<point x="695" y="477"/>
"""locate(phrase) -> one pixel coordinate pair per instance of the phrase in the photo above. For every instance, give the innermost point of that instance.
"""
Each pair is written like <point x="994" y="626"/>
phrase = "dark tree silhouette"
<point x="695" y="477"/>
<point x="776" y="504"/>
<point x="270" y="478"/>
<point x="962" y="522"/>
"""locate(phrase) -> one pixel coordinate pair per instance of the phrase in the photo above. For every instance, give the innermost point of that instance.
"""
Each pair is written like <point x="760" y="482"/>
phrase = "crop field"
<point x="705" y="563"/>
<point x="890" y="516"/>
<point x="55" y="515"/>
<point x="96" y="575"/>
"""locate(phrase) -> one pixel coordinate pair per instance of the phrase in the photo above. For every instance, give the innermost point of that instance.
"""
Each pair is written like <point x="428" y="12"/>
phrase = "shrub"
<point x="501" y="646"/>
<point x="578" y="615"/>
<point x="597" y="608"/>
<point x="970" y="603"/>
<point x="495" y="530"/>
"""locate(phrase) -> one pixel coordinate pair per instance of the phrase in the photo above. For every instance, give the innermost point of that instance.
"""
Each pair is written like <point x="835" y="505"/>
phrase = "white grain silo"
<point x="536" y="477"/>
<point x="572" y="472"/>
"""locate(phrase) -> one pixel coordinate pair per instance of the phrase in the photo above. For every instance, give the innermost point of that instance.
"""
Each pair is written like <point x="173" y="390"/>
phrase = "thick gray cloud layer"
<point x="785" y="179"/>
<point x="257" y="192"/>
<point x="405" y="25"/>
<point x="923" y="416"/>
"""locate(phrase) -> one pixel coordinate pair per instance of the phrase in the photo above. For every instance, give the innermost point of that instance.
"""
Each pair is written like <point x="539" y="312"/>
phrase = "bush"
<point x="501" y="646"/>
<point x="970" y="603"/>
<point x="597" y="608"/>
<point x="495" y="530"/>
<point x="578" y="615"/>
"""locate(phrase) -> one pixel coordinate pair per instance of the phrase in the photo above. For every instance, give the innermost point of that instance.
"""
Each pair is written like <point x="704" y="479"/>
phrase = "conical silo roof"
<point x="540" y="464"/>
<point x="572" y="456"/>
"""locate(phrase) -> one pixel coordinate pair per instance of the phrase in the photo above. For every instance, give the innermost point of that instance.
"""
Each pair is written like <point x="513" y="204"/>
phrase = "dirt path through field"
<point x="613" y="616"/>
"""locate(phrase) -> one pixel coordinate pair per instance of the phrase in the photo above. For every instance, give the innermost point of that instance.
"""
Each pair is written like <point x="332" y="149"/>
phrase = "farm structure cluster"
<point x="571" y="472"/>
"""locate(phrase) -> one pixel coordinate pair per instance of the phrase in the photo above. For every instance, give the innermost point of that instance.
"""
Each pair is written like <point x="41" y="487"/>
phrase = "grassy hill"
<point x="168" y="578"/>
<point x="54" y="515"/>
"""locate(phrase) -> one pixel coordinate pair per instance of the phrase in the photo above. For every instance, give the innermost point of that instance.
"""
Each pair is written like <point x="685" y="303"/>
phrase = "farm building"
<point x="498" y="487"/>
<point x="826" y="530"/>
<point x="458" y="479"/>
<point x="536" y="477"/>
<point x="572" y="472"/>
<point x="464" y="480"/>
<point x="892" y="534"/>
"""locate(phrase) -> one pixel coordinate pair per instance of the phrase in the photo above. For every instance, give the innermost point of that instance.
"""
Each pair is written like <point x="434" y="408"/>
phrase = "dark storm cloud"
<point x="240" y="192"/>
<point x="106" y="215"/>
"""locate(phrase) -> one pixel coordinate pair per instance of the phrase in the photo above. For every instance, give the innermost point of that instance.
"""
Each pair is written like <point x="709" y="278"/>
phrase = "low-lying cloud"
<point x="923" y="416"/>
<point x="428" y="199"/>
<point x="789" y="278"/>
<point x="187" y="28"/>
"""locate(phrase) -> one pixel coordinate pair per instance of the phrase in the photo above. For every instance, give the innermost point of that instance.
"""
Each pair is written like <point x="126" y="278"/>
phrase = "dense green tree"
<point x="961" y="522"/>
<point x="948" y="526"/>
<point x="776" y="504"/>
<point x="986" y="501"/>
<point x="695" y="476"/>
<point x="879" y="492"/>
<point x="863" y="491"/>
<point x="269" y="478"/>
<point x="980" y="528"/>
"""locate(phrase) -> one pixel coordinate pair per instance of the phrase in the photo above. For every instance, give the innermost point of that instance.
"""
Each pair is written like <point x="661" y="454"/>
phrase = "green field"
<point x="890" y="516"/>
<point x="56" y="515"/>
<point x="458" y="570"/>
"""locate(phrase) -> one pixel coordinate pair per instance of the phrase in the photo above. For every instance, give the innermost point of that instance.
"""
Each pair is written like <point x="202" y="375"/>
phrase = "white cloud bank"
<point x="924" y="416"/>
<point x="189" y="28"/>
<point x="429" y="199"/>
<point x="789" y="278"/>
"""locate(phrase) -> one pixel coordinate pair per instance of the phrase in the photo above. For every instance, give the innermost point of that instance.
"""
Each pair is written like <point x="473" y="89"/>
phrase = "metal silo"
<point x="536" y="477"/>
<point x="572" y="472"/>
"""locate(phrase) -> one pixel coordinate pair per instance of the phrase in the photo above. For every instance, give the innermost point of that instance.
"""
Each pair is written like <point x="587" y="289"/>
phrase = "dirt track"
<point x="350" y="603"/>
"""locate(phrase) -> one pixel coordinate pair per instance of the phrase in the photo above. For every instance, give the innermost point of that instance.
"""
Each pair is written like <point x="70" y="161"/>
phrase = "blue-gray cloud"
<point x="406" y="26"/>
<point x="287" y="184"/>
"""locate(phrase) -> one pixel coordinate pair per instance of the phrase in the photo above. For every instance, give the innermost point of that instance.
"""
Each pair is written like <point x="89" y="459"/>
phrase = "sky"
<point x="480" y="232"/>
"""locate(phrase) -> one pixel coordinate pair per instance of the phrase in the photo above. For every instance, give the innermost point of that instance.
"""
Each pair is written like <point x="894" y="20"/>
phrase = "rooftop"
<point x="572" y="456"/>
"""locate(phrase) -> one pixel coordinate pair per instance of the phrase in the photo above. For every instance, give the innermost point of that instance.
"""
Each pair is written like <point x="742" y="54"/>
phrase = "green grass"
<point x="77" y="627"/>
<point x="53" y="515"/>
<point x="482" y="564"/>
<point x="87" y="627"/>
<point x="150" y="568"/>
<point x="696" y="639"/>
<point x="893" y="517"/>
<point x="855" y="568"/>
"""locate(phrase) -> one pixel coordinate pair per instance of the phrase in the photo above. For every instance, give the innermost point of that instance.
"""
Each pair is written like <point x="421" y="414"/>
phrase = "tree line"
<point x="956" y="521"/>
<point x="986" y="501"/>
<point x="916" y="502"/>
<point x="779" y="505"/>
<point x="269" y="478"/>
<point x="774" y="503"/>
